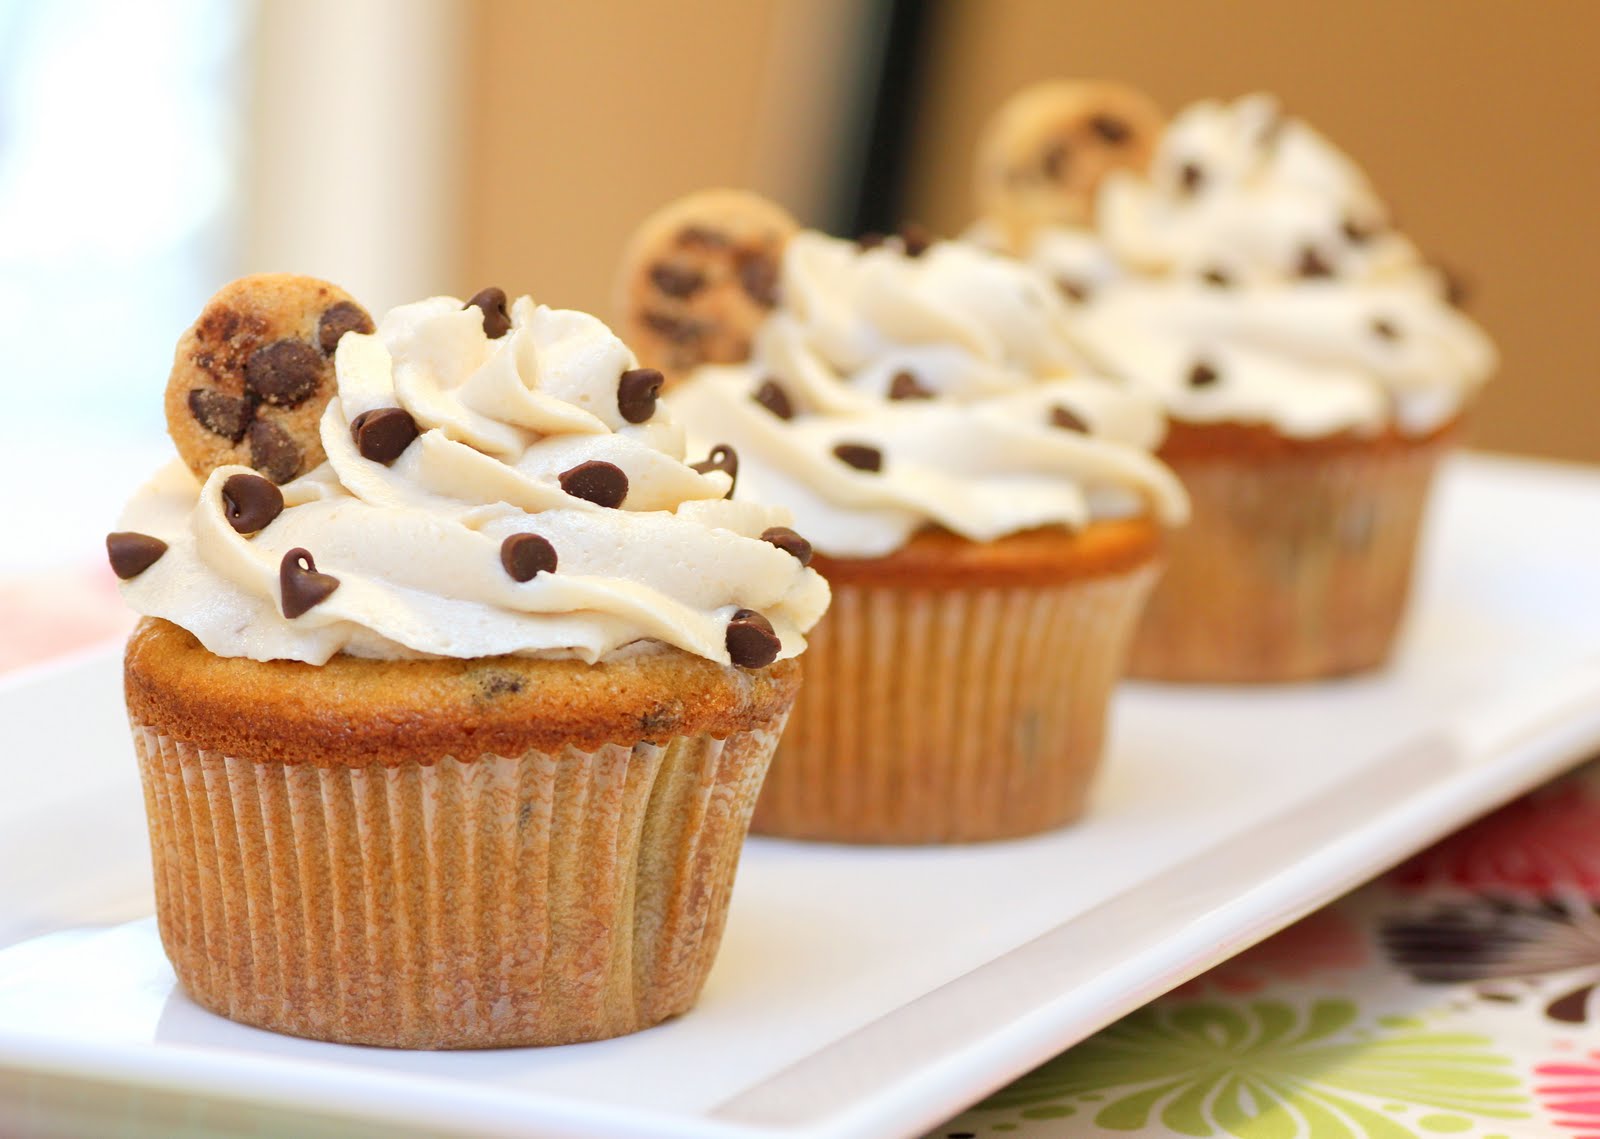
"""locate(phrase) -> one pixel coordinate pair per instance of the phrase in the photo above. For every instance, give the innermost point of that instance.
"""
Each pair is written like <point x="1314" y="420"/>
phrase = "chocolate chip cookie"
<point x="699" y="276"/>
<point x="1043" y="155"/>
<point x="252" y="375"/>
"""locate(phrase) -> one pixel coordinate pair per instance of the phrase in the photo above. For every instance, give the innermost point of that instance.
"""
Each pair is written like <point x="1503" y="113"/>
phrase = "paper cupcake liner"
<point x="1292" y="567"/>
<point x="951" y="715"/>
<point x="542" y="899"/>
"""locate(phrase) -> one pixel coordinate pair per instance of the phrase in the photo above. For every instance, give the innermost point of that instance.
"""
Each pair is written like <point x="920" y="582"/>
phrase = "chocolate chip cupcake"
<point x="990" y="520"/>
<point x="452" y="740"/>
<point x="1314" y="370"/>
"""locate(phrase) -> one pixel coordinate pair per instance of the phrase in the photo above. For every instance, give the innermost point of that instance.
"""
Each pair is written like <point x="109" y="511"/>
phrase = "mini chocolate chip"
<point x="1191" y="177"/>
<point x="860" y="456"/>
<point x="1075" y="291"/>
<point x="1054" y="161"/>
<point x="1457" y="290"/>
<point x="905" y="385"/>
<point x="1385" y="329"/>
<point x="1067" y="419"/>
<point x="601" y="483"/>
<point x="1217" y="278"/>
<point x="871" y="239"/>
<point x="252" y="502"/>
<point x="525" y="556"/>
<point x="915" y="238"/>
<point x="1111" y="128"/>
<point x="758" y="276"/>
<point x="637" y="391"/>
<point x="1355" y="232"/>
<point x="1313" y="264"/>
<point x="702" y="235"/>
<point x="300" y="584"/>
<point x="1203" y="374"/>
<point x="492" y="303"/>
<point x="383" y="434"/>
<point x="677" y="329"/>
<point x="132" y="553"/>
<point x="677" y="280"/>
<point x="221" y="414"/>
<point x="771" y="396"/>
<point x="789" y="542"/>
<point x="284" y="373"/>
<point x="346" y="316"/>
<point x="751" y="641"/>
<point x="722" y="458"/>
<point x="273" y="452"/>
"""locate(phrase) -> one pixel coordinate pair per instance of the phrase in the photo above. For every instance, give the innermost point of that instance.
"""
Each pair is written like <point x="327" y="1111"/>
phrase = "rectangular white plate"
<point x="871" y="992"/>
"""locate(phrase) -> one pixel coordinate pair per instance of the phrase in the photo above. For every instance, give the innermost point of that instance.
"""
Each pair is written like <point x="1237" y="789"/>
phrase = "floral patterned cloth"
<point x="1455" y="996"/>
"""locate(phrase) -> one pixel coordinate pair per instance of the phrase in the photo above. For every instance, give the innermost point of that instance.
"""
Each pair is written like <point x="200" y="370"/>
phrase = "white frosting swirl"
<point x="416" y="545"/>
<point x="1254" y="247"/>
<point x="988" y="338"/>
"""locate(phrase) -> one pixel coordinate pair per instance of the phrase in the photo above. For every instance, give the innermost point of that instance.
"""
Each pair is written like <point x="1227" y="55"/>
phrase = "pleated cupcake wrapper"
<point x="541" y="899"/>
<point x="1293" y="568"/>
<point x="951" y="715"/>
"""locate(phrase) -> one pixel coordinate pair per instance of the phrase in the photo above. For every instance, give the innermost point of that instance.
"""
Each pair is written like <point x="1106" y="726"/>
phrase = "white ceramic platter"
<point x="873" y="993"/>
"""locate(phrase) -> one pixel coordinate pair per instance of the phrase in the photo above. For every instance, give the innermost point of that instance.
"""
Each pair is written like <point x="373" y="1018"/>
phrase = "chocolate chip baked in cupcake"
<point x="990" y="521"/>
<point x="452" y="739"/>
<point x="1312" y="363"/>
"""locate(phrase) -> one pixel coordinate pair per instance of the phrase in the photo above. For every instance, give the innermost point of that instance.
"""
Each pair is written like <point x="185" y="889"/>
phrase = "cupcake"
<point x="452" y="739"/>
<point x="1313" y="365"/>
<point x="988" y="515"/>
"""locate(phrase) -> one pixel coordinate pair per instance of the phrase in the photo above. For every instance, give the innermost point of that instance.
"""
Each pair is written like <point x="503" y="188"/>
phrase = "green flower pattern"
<point x="1272" y="1070"/>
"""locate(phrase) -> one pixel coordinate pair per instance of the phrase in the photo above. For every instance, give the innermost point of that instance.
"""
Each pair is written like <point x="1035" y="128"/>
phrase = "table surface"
<point x="1457" y="995"/>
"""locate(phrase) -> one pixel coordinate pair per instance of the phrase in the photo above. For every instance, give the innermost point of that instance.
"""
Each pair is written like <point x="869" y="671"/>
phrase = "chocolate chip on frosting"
<point x="905" y="385"/>
<point x="1075" y="291"/>
<point x="789" y="542"/>
<point x="870" y="240"/>
<point x="525" y="556"/>
<point x="1067" y="419"/>
<point x="1357" y="232"/>
<point x="284" y="373"/>
<point x="1313" y="264"/>
<point x="346" y="316"/>
<point x="250" y="502"/>
<point x="492" y="303"/>
<point x="1110" y="128"/>
<point x="132" y="553"/>
<point x="383" y="434"/>
<point x="751" y="641"/>
<point x="221" y="414"/>
<point x="1191" y="177"/>
<point x="301" y="586"/>
<point x="1217" y="278"/>
<point x="722" y="458"/>
<point x="771" y="396"/>
<point x="273" y="451"/>
<point x="677" y="280"/>
<point x="916" y="238"/>
<point x="637" y="390"/>
<point x="602" y="483"/>
<point x="860" y="456"/>
<point x="1385" y="329"/>
<point x="1203" y="374"/>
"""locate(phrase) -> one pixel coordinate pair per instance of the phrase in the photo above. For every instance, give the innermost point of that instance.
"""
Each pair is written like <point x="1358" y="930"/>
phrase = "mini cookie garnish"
<point x="525" y="556"/>
<point x="496" y="317"/>
<point x="771" y="396"/>
<point x="1067" y="419"/>
<point x="905" y="385"/>
<point x="300" y="585"/>
<point x="722" y="458"/>
<point x="860" y="456"/>
<point x="253" y="374"/>
<point x="1203" y="374"/>
<point x="789" y="542"/>
<point x="601" y="483"/>
<point x="250" y="502"/>
<point x="383" y="434"/>
<point x="1044" y="154"/>
<point x="131" y="553"/>
<point x="699" y="277"/>
<point x="751" y="641"/>
<point x="637" y="391"/>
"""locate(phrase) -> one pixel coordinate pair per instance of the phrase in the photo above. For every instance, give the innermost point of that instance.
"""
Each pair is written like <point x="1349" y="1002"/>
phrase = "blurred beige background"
<point x="1475" y="118"/>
